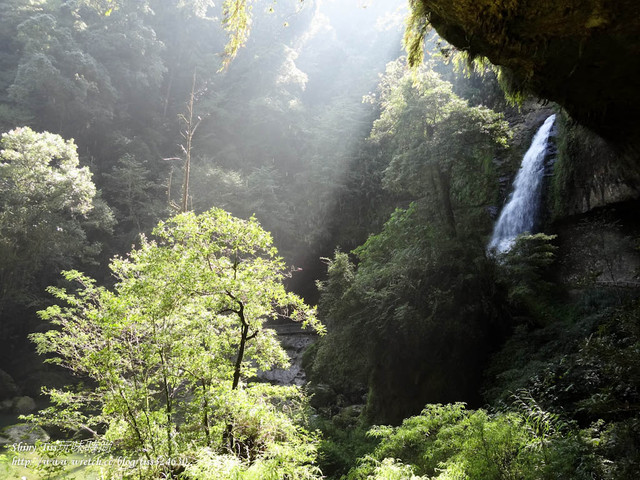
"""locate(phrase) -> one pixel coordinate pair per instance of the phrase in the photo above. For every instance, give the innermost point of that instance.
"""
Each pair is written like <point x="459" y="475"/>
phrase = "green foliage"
<point x="237" y="22"/>
<point x="391" y="469"/>
<point x="334" y="361"/>
<point x="168" y="352"/>
<point x="267" y="423"/>
<point x="282" y="148"/>
<point x="610" y="356"/>
<point x="451" y="442"/>
<point x="584" y="363"/>
<point x="525" y="269"/>
<point x="418" y="306"/>
<point x="56" y="79"/>
<point x="74" y="70"/>
<point x="516" y="91"/>
<point x="342" y="446"/>
<point x="48" y="208"/>
<point x="440" y="147"/>
<point x="135" y="204"/>
<point x="167" y="355"/>
<point x="416" y="30"/>
<point x="396" y="322"/>
<point x="340" y="276"/>
<point x="474" y="79"/>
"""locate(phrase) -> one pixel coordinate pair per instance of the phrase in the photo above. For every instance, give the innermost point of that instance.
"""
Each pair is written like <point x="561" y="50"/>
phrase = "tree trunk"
<point x="243" y="342"/>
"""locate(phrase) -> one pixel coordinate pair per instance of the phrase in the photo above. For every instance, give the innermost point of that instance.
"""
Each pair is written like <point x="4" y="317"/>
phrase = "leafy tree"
<point x="137" y="204"/>
<point x="48" y="209"/>
<point x="217" y="186"/>
<point x="127" y="47"/>
<point x="417" y="314"/>
<point x="525" y="269"/>
<point x="342" y="360"/>
<point x="440" y="147"/>
<point x="57" y="80"/>
<point x="12" y="14"/>
<point x="171" y="349"/>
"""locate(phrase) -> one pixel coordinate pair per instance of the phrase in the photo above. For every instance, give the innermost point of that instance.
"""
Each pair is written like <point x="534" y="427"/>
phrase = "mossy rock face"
<point x="582" y="54"/>
<point x="23" y="432"/>
<point x="322" y="395"/>
<point x="23" y="405"/>
<point x="588" y="174"/>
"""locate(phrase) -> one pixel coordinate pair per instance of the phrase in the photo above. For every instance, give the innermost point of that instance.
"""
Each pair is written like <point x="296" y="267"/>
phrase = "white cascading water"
<point x="520" y="213"/>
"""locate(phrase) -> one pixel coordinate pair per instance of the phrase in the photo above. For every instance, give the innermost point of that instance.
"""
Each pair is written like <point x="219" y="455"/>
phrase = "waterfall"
<point x="521" y="211"/>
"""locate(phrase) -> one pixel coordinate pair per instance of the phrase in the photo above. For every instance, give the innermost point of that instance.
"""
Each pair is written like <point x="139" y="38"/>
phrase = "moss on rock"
<point x="582" y="54"/>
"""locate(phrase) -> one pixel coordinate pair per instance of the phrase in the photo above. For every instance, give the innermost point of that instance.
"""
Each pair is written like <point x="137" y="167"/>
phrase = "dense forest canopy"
<point x="184" y="185"/>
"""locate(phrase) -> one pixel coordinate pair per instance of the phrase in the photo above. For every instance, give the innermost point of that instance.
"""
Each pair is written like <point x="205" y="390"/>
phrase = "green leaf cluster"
<point x="452" y="442"/>
<point x="48" y="209"/>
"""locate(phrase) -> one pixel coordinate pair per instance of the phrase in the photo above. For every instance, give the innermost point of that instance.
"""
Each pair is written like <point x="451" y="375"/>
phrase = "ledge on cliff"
<point x="582" y="54"/>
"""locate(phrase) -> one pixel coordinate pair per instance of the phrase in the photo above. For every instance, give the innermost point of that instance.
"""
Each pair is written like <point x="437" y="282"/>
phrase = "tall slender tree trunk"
<point x="244" y="337"/>
<point x="238" y="367"/>
<point x="188" y="136"/>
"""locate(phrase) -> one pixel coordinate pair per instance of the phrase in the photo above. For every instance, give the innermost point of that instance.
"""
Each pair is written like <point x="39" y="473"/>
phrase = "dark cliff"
<point x="582" y="54"/>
